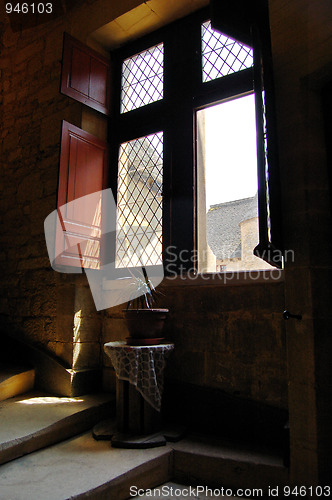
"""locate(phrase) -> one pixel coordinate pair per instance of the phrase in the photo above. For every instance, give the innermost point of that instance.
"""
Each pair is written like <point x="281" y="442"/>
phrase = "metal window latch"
<point x="287" y="315"/>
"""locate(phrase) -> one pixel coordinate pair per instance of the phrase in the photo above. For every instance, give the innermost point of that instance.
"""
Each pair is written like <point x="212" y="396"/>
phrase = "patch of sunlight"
<point x="76" y="353"/>
<point x="77" y="324"/>
<point x="48" y="400"/>
<point x="76" y="339"/>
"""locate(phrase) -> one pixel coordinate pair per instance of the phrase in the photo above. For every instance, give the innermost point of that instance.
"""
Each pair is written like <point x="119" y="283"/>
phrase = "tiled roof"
<point x="223" y="226"/>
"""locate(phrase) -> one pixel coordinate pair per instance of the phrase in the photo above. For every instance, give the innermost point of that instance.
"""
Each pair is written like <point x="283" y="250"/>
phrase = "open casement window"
<point x="248" y="22"/>
<point x="160" y="84"/>
<point x="85" y="75"/>
<point x="82" y="178"/>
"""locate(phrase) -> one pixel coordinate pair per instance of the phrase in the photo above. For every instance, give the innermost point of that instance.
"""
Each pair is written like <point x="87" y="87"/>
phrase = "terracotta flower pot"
<point x="145" y="323"/>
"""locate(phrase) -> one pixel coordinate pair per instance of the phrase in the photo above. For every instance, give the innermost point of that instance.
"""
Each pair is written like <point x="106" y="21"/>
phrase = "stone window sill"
<point x="212" y="279"/>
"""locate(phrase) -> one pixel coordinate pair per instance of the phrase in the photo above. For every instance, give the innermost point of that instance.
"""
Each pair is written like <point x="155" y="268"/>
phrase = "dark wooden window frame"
<point x="175" y="115"/>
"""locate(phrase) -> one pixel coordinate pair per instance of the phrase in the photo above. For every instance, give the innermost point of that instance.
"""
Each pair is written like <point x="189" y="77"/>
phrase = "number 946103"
<point x="32" y="8"/>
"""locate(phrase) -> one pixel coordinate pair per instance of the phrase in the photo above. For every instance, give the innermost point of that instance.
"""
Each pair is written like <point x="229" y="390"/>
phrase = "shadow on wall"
<point x="52" y="375"/>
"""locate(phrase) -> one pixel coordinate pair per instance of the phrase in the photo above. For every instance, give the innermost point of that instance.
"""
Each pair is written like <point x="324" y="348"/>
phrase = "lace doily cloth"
<point x="142" y="366"/>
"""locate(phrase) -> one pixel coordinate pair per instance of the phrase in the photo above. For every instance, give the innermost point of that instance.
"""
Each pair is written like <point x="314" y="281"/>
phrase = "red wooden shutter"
<point x="82" y="178"/>
<point x="85" y="75"/>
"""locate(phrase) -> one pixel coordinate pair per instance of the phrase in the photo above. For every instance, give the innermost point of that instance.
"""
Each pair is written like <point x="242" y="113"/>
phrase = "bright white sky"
<point x="230" y="139"/>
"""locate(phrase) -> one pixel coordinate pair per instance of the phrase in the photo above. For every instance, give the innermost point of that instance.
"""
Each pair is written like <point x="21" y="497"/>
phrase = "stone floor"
<point x="80" y="467"/>
<point x="74" y="468"/>
<point x="29" y="413"/>
<point x="35" y="420"/>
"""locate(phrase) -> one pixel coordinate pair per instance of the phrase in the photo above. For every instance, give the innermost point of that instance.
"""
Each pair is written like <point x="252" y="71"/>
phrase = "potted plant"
<point x="145" y="323"/>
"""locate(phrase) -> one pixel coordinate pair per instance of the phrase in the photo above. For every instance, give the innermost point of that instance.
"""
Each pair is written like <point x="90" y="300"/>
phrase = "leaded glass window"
<point x="142" y="78"/>
<point x="139" y="203"/>
<point x="222" y="55"/>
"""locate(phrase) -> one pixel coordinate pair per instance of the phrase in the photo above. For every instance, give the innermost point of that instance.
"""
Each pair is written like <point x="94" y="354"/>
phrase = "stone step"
<point x="15" y="380"/>
<point x="36" y="420"/>
<point x="82" y="467"/>
<point x="207" y="460"/>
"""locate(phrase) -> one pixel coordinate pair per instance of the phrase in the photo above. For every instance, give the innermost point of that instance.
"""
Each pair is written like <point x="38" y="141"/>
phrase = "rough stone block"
<point x="84" y="301"/>
<point x="86" y="355"/>
<point x="63" y="350"/>
<point x="86" y="329"/>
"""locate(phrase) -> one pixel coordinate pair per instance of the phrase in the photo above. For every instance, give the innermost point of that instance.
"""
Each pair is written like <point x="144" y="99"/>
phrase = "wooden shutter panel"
<point x="85" y="75"/>
<point x="233" y="18"/>
<point x="82" y="177"/>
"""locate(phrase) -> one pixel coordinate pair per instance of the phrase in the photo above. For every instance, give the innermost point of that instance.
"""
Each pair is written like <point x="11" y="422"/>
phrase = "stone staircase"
<point x="47" y="451"/>
<point x="36" y="420"/>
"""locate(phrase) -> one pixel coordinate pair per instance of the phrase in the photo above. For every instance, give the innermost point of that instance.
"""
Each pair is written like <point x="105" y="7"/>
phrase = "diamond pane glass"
<point x="142" y="78"/>
<point x="139" y="202"/>
<point x="222" y="55"/>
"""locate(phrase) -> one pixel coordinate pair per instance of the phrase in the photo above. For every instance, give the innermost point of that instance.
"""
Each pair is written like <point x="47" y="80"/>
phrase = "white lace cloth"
<point x="142" y="366"/>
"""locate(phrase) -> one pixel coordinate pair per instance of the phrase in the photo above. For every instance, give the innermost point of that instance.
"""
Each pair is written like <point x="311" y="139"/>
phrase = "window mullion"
<point x="180" y="81"/>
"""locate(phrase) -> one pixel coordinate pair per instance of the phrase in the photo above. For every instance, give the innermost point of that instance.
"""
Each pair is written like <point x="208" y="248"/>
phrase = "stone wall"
<point x="32" y="110"/>
<point x="302" y="53"/>
<point x="37" y="304"/>
<point x="56" y="311"/>
<point x="229" y="337"/>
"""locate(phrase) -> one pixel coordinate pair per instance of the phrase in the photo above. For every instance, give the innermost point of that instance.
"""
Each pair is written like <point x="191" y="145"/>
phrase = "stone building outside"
<point x="232" y="235"/>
